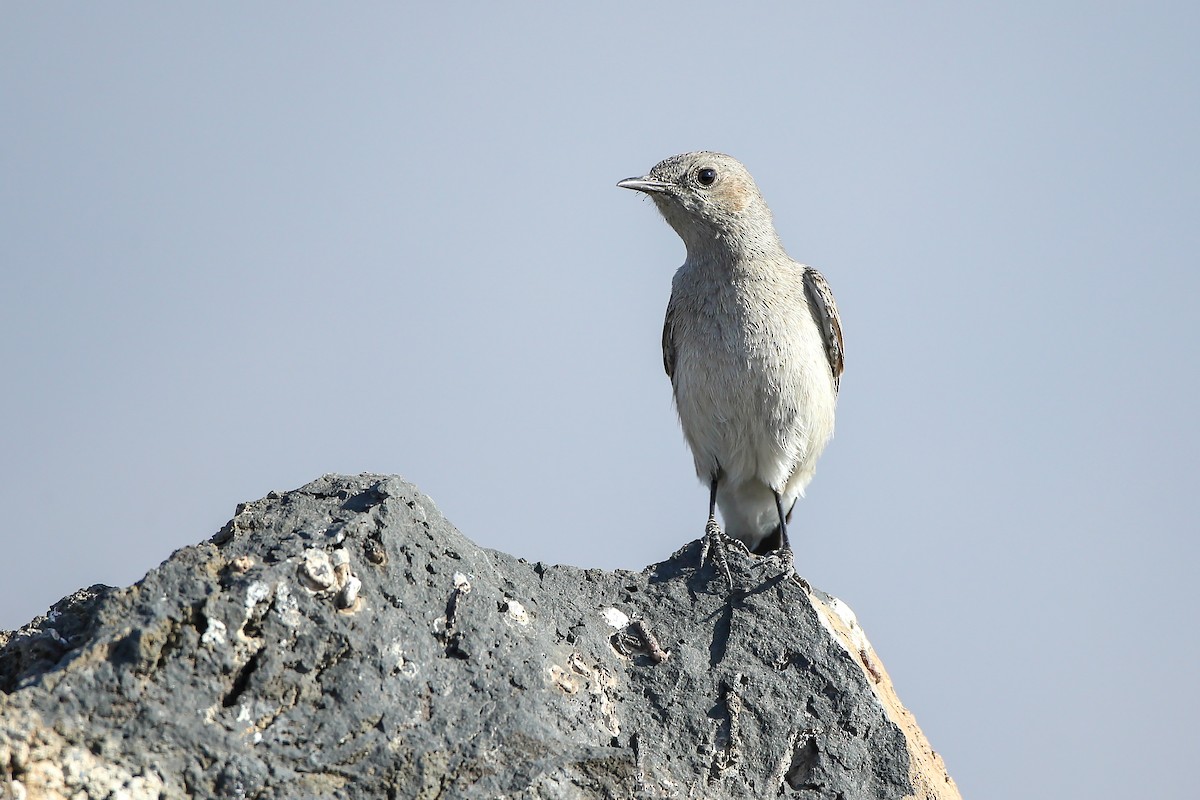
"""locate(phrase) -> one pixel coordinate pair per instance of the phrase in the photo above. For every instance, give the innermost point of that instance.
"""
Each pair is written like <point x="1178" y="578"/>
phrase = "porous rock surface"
<point x="343" y="640"/>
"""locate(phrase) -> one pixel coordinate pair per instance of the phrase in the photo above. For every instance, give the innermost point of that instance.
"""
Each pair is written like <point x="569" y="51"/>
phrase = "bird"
<point x="753" y="346"/>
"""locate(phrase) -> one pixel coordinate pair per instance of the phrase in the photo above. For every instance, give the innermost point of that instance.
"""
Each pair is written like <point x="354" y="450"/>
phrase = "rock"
<point x="344" y="640"/>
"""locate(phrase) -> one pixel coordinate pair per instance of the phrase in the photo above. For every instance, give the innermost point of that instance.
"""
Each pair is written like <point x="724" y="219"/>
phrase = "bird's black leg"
<point x="712" y="501"/>
<point x="784" y="544"/>
<point x="714" y="539"/>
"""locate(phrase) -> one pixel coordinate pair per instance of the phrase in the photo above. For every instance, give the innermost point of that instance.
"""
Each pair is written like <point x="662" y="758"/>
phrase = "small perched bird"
<point x="752" y="345"/>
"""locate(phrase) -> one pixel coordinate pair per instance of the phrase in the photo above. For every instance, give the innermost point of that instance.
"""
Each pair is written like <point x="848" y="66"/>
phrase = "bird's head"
<point x="710" y="200"/>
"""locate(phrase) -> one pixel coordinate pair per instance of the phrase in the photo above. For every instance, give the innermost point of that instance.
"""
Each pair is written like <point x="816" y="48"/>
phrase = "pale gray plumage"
<point x="752" y="344"/>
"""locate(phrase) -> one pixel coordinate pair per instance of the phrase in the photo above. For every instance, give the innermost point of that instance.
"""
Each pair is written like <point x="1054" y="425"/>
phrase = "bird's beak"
<point x="643" y="185"/>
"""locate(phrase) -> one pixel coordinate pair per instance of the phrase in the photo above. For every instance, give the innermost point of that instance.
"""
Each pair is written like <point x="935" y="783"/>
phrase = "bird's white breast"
<point x="753" y="385"/>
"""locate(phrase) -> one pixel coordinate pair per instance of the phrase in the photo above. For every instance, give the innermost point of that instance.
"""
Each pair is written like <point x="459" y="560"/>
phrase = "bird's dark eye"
<point x="706" y="176"/>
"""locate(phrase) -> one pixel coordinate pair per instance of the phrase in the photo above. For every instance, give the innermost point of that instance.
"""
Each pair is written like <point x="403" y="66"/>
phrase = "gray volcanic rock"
<point x="344" y="640"/>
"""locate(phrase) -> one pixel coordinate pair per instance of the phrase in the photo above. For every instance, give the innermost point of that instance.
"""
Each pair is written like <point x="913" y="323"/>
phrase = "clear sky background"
<point x="244" y="246"/>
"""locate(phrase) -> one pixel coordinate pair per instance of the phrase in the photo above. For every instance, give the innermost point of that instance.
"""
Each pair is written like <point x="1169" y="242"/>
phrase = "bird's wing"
<point x="820" y="299"/>
<point x="669" y="343"/>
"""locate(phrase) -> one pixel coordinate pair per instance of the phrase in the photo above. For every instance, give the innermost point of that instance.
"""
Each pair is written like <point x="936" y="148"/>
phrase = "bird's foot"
<point x="781" y="562"/>
<point x="716" y="544"/>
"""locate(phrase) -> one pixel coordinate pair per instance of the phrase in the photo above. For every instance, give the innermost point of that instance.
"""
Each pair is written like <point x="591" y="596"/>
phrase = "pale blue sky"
<point x="248" y="245"/>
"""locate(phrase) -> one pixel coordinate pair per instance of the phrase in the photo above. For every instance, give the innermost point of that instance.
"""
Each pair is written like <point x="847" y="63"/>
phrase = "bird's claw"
<point x="784" y="559"/>
<point x="716" y="544"/>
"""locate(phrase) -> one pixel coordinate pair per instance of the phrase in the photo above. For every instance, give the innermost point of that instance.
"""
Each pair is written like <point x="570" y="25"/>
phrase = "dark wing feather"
<point x="668" y="343"/>
<point x="820" y="299"/>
